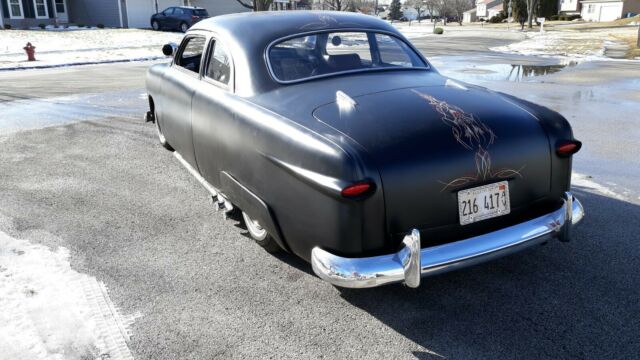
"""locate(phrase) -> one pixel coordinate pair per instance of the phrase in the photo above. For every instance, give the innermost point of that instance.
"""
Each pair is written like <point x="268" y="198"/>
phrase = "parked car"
<point x="178" y="18"/>
<point x="339" y="142"/>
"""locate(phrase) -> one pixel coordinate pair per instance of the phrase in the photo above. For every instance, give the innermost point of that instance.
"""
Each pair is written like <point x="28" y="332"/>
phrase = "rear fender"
<point x="252" y="205"/>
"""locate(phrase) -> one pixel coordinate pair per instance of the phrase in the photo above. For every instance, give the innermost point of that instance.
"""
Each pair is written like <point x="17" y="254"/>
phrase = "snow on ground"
<point x="425" y="28"/>
<point x="54" y="48"/>
<point x="585" y="182"/>
<point x="586" y="45"/>
<point x="50" y="311"/>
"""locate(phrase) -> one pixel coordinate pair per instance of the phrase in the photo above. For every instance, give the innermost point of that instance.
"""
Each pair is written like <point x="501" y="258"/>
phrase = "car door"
<point x="177" y="18"/>
<point x="214" y="127"/>
<point x="181" y="81"/>
<point x="163" y="17"/>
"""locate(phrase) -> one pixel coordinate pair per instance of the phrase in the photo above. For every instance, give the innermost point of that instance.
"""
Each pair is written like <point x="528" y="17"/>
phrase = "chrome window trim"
<point x="366" y="30"/>
<point x="209" y="53"/>
<point x="180" y="50"/>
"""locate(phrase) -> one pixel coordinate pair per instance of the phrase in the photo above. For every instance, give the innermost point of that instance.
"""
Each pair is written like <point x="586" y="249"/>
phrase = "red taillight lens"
<point x="195" y="17"/>
<point x="357" y="189"/>
<point x="568" y="148"/>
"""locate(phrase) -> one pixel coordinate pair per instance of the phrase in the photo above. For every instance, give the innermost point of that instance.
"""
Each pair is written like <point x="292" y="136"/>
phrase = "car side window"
<point x="178" y="12"/>
<point x="168" y="11"/>
<point x="219" y="67"/>
<point x="190" y="53"/>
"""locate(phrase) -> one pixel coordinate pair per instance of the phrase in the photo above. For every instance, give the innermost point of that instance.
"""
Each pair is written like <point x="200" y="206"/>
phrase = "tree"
<point x="458" y="7"/>
<point x="531" y="6"/>
<point x="436" y="7"/>
<point x="337" y="5"/>
<point x="256" y="5"/>
<point x="518" y="10"/>
<point x="417" y="5"/>
<point x="395" y="12"/>
<point x="547" y="8"/>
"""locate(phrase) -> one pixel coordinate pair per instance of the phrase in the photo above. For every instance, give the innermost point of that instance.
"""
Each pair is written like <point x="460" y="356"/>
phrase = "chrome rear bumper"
<point x="411" y="262"/>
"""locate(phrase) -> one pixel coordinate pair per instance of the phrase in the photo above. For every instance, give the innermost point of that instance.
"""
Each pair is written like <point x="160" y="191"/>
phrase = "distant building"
<point x="486" y="9"/>
<point x="470" y="16"/>
<point x="569" y="7"/>
<point x="111" y="13"/>
<point x="608" y="10"/>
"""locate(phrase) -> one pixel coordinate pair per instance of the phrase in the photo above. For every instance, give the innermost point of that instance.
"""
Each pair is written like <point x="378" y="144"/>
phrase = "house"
<point x="569" y="7"/>
<point x="608" y="10"/>
<point x="486" y="9"/>
<point x="470" y="16"/>
<point x="110" y="13"/>
<point x="410" y="13"/>
<point x="29" y="13"/>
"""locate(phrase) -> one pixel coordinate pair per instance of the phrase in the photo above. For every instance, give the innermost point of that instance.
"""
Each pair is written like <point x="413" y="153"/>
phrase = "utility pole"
<point x="638" y="43"/>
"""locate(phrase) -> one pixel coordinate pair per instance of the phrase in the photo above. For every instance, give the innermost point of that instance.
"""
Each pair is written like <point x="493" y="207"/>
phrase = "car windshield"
<point x="329" y="53"/>
<point x="200" y="12"/>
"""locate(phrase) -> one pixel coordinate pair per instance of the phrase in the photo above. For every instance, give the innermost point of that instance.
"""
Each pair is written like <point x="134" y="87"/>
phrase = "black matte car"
<point x="178" y="18"/>
<point x="339" y="142"/>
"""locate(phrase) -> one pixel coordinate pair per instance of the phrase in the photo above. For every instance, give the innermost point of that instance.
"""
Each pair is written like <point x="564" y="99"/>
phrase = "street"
<point x="81" y="170"/>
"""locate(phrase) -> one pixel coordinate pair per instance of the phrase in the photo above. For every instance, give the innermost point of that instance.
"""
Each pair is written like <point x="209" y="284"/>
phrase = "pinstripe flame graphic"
<point x="473" y="135"/>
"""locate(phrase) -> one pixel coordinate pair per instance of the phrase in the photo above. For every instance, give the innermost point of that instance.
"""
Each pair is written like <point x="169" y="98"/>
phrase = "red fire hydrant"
<point x="31" y="52"/>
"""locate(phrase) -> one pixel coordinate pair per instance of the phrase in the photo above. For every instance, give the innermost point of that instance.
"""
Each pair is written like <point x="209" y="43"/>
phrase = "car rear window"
<point x="329" y="53"/>
<point x="200" y="12"/>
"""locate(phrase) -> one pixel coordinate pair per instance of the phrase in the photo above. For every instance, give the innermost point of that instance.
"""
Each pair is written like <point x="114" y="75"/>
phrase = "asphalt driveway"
<point x="135" y="219"/>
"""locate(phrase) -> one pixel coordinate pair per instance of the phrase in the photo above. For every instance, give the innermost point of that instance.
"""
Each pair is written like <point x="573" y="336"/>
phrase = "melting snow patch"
<point x="50" y="311"/>
<point x="584" y="181"/>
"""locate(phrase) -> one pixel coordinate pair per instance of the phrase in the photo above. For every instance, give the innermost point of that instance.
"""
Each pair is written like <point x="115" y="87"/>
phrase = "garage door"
<point x="610" y="12"/>
<point x="139" y="11"/>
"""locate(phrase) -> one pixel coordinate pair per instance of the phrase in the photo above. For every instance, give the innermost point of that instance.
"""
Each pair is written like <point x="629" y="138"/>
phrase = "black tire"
<point x="155" y="25"/>
<point x="163" y="140"/>
<point x="184" y="27"/>
<point x="260" y="235"/>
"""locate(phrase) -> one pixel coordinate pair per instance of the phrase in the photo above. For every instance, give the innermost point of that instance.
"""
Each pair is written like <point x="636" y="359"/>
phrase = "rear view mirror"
<point x="169" y="49"/>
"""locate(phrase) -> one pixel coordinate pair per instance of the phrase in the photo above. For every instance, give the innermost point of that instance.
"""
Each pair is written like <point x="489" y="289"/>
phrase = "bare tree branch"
<point x="248" y="6"/>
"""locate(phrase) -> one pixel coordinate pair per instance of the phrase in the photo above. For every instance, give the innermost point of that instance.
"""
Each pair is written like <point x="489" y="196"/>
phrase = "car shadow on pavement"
<point x="577" y="299"/>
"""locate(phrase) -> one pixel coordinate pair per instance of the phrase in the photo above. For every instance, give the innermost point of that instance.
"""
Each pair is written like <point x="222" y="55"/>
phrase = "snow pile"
<point x="586" y="45"/>
<point x="49" y="311"/>
<point x="584" y="181"/>
<point x="416" y="29"/>
<point x="56" y="48"/>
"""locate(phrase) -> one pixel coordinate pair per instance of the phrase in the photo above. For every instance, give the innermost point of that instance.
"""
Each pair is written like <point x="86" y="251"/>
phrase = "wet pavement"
<point x="601" y="100"/>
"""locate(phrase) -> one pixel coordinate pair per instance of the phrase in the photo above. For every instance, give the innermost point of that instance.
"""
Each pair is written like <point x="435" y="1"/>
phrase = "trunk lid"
<point x="430" y="142"/>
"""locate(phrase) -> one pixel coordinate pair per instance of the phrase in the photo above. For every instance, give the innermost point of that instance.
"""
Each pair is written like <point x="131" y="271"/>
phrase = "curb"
<point x="18" y="68"/>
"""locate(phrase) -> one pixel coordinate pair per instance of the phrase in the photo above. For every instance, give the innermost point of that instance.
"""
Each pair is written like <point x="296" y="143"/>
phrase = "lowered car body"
<point x="341" y="144"/>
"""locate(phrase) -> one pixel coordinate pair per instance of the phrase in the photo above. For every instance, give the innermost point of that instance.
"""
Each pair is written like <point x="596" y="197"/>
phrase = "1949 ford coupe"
<point x="340" y="143"/>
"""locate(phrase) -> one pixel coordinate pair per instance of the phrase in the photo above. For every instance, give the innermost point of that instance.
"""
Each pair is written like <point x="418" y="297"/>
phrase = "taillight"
<point x="193" y="17"/>
<point x="568" y="148"/>
<point x="357" y="189"/>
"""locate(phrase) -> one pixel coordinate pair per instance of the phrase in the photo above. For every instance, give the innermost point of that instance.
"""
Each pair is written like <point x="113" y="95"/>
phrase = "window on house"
<point x="591" y="9"/>
<point x="60" y="6"/>
<point x="15" y="9"/>
<point x="219" y="68"/>
<point x="41" y="9"/>
<point x="190" y="54"/>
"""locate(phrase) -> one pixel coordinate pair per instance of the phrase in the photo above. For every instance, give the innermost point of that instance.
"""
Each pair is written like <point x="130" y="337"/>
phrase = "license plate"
<point x="483" y="202"/>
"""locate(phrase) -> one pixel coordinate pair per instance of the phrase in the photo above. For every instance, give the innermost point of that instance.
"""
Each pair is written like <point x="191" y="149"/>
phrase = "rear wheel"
<point x="155" y="25"/>
<point x="184" y="27"/>
<point x="163" y="140"/>
<point x="260" y="234"/>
